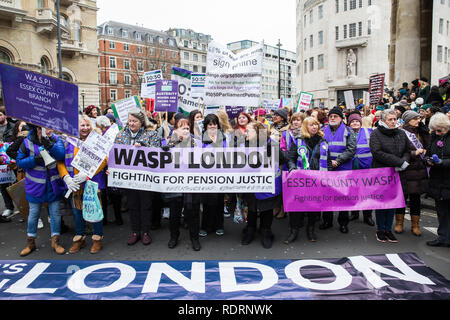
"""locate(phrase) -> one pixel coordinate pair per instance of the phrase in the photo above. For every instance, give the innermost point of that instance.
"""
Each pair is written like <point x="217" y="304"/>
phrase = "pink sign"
<point x="316" y="191"/>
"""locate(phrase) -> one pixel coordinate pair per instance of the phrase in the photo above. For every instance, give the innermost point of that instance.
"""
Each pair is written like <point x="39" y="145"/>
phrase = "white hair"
<point x="102" y="121"/>
<point x="439" y="120"/>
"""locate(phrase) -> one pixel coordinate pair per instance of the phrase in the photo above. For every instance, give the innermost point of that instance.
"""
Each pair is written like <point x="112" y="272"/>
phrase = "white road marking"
<point x="432" y="230"/>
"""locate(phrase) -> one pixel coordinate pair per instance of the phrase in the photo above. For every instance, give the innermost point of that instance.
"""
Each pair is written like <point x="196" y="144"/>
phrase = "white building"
<point x="270" y="69"/>
<point x="193" y="48"/>
<point x="328" y="31"/>
<point x="440" y="52"/>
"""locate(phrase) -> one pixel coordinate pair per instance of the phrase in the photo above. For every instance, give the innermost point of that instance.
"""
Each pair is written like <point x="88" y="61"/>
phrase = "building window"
<point x="304" y="21"/>
<point x="161" y="40"/>
<point x="360" y="28"/>
<point x="320" y="12"/>
<point x="186" y="67"/>
<point x="445" y="54"/>
<point x="369" y="27"/>
<point x="140" y="65"/>
<point x="320" y="61"/>
<point x="186" y="44"/>
<point x="337" y="6"/>
<point x="110" y="31"/>
<point x="310" y="16"/>
<point x="345" y="5"/>
<point x="311" y="64"/>
<point x="304" y="44"/>
<point x="152" y="66"/>
<point x="138" y="36"/>
<point x="447" y="23"/>
<point x="203" y="69"/>
<point x="127" y="79"/>
<point x="163" y="67"/>
<point x="112" y="45"/>
<point x="369" y="2"/>
<point x="194" y="45"/>
<point x="126" y="47"/>
<point x="40" y="4"/>
<point x="174" y="55"/>
<point x="113" y="78"/>
<point x="195" y="69"/>
<point x="171" y="43"/>
<point x="4" y="57"/>
<point x="186" y="56"/>
<point x="76" y="31"/>
<point x="439" y="53"/>
<point x="311" y="41"/>
<point x="442" y="1"/>
<point x="127" y="94"/>
<point x="337" y="32"/>
<point x="204" y="47"/>
<point x="320" y="37"/>
<point x="163" y="53"/>
<point x="139" y="49"/>
<point x="345" y="31"/>
<point x="124" y="34"/>
<point x="45" y="65"/>
<point x="360" y="3"/>
<point x="441" y="26"/>
<point x="305" y="67"/>
<point x="126" y="64"/>
<point x="113" y="95"/>
<point x="352" y="4"/>
<point x="195" y="57"/>
<point x="112" y="62"/>
<point x="203" y="58"/>
<point x="152" y="51"/>
<point x="352" y="30"/>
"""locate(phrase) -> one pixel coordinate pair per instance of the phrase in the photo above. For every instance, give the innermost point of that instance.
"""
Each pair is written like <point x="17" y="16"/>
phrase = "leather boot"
<point x="31" y="246"/>
<point x="292" y="236"/>
<point x="399" y="218"/>
<point x="96" y="244"/>
<point x="195" y="244"/>
<point x="415" y="226"/>
<point x="248" y="236"/>
<point x="78" y="243"/>
<point x="56" y="246"/>
<point x="173" y="240"/>
<point x="267" y="238"/>
<point x="310" y="233"/>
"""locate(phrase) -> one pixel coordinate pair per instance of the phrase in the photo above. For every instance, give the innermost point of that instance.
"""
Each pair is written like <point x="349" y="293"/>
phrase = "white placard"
<point x="198" y="85"/>
<point x="148" y="84"/>
<point x="304" y="101"/>
<point x="349" y="100"/>
<point x="123" y="107"/>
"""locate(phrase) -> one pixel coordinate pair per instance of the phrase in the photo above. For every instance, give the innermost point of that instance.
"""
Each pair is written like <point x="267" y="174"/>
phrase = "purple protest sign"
<point x="233" y="112"/>
<point x="315" y="191"/>
<point x="40" y="99"/>
<point x="166" y="96"/>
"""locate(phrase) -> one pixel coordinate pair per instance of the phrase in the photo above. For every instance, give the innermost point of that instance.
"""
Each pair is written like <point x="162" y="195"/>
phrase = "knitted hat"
<point x="110" y="116"/>
<point x="336" y="110"/>
<point x="89" y="109"/>
<point x="282" y="113"/>
<point x="379" y="108"/>
<point x="260" y="112"/>
<point x="409" y="115"/>
<point x="354" y="116"/>
<point x="400" y="108"/>
<point x="419" y="101"/>
<point x="426" y="107"/>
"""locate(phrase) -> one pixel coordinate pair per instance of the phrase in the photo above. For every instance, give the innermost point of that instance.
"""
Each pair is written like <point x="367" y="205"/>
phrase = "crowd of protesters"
<point x="406" y="130"/>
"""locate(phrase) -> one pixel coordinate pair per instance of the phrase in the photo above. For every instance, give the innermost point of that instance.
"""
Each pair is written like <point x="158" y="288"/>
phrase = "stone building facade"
<point x="28" y="39"/>
<point x="126" y="52"/>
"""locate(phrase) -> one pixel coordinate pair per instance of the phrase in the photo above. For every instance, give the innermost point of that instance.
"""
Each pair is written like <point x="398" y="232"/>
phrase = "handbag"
<point x="92" y="208"/>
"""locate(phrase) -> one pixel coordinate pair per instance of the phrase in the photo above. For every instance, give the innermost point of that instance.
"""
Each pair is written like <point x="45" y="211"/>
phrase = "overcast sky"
<point x="226" y="21"/>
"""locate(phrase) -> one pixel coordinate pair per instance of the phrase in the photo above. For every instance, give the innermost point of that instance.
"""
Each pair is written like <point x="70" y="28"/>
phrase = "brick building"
<point x="125" y="53"/>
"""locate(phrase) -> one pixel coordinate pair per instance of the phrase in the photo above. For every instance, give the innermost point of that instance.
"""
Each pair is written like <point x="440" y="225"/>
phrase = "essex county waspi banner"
<point x="192" y="170"/>
<point x="39" y="99"/>
<point x="316" y="191"/>
<point x="233" y="79"/>
<point x="378" y="277"/>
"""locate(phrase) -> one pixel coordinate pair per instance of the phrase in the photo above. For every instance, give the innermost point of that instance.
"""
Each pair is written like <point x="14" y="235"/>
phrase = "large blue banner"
<point x="381" y="277"/>
<point x="42" y="100"/>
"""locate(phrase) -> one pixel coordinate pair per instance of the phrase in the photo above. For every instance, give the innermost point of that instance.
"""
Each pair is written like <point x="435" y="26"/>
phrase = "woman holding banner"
<point x="182" y="138"/>
<point x="75" y="183"/>
<point x="390" y="148"/>
<point x="416" y="174"/>
<point x="213" y="204"/>
<point x="262" y="204"/>
<point x="139" y="201"/>
<point x="309" y="151"/>
<point x="42" y="183"/>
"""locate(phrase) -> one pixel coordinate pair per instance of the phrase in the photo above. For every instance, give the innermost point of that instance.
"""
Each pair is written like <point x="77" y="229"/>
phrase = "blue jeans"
<point x="80" y="223"/>
<point x="385" y="219"/>
<point x="35" y="213"/>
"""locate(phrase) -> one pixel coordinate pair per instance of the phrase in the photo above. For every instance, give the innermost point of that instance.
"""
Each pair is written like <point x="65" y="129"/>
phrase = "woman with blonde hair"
<point x="308" y="152"/>
<point x="224" y="122"/>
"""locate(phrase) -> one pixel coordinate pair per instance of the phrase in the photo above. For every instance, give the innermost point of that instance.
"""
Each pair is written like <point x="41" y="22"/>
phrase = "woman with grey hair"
<point x="390" y="148"/>
<point x="139" y="201"/>
<point x="438" y="158"/>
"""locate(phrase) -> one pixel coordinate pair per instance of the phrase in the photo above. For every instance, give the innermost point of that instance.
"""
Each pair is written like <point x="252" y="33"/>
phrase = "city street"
<point x="331" y="243"/>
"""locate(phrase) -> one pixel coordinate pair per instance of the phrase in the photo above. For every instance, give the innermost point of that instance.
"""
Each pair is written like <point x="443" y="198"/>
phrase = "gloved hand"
<point x="39" y="160"/>
<point x="79" y="178"/>
<point x="165" y="148"/>
<point x="48" y="143"/>
<point x="71" y="185"/>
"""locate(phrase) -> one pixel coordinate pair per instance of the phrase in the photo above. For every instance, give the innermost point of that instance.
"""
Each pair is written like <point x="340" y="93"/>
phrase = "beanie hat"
<point x="282" y="113"/>
<point x="336" y="110"/>
<point x="409" y="115"/>
<point x="89" y="109"/>
<point x="260" y="112"/>
<point x="110" y="116"/>
<point x="354" y="116"/>
<point x="419" y="101"/>
<point x="400" y="108"/>
<point x="379" y="108"/>
<point x="426" y="107"/>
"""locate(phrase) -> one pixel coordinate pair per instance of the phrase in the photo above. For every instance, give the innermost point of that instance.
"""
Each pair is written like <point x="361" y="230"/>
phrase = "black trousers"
<point x="8" y="201"/>
<point x="366" y="213"/>
<point x="414" y="205"/>
<point x="295" y="218"/>
<point x="157" y="205"/>
<point x="140" y="210"/>
<point x="212" y="217"/>
<point x="443" y="213"/>
<point x="192" y="214"/>
<point x="343" y="217"/>
<point x="265" y="217"/>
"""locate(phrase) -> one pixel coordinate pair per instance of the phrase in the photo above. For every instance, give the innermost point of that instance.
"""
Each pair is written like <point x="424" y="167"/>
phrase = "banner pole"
<point x="167" y="126"/>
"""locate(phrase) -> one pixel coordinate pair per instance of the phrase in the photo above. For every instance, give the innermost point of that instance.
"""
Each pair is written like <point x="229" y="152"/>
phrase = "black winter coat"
<point x="416" y="174"/>
<point x="439" y="183"/>
<point x="390" y="148"/>
<point x="313" y="145"/>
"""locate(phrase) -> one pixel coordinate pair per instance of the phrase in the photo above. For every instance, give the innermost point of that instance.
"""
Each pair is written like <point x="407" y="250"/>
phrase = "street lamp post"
<point x="279" y="68"/>
<point x="82" y="96"/>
